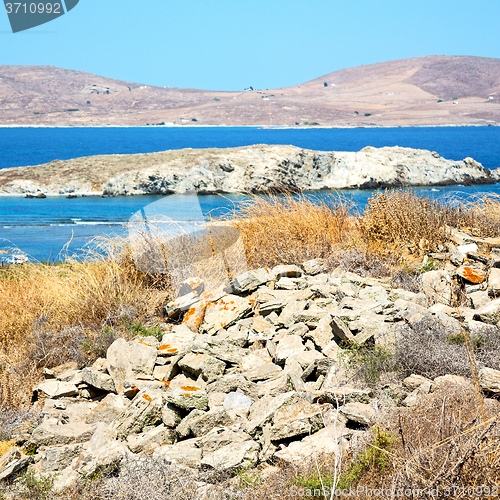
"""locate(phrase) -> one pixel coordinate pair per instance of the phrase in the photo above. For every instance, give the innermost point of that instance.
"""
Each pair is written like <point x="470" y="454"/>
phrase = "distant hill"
<point x="430" y="90"/>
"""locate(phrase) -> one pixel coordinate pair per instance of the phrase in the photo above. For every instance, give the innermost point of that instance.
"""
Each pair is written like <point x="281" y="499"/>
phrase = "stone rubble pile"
<point x="240" y="378"/>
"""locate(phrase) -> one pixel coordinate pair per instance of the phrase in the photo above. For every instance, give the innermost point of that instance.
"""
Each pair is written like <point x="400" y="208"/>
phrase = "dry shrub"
<point x="283" y="229"/>
<point x="432" y="349"/>
<point x="446" y="443"/>
<point x="401" y="221"/>
<point x="482" y="215"/>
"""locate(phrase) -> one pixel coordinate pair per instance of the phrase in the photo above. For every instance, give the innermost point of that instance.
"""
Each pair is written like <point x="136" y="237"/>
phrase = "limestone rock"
<point x="188" y="398"/>
<point x="50" y="433"/>
<point x="13" y="461"/>
<point x="224" y="313"/>
<point x="57" y="389"/>
<point x="143" y="410"/>
<point x="489" y="313"/>
<point x="177" y="343"/>
<point x="185" y="453"/>
<point x="250" y="280"/>
<point x="289" y="345"/>
<point x="361" y="413"/>
<point x="489" y="380"/>
<point x="127" y="360"/>
<point x="437" y="287"/>
<point x="196" y="285"/>
<point x="208" y="367"/>
<point x="329" y="440"/>
<point x="314" y="266"/>
<point x="107" y="409"/>
<point x="236" y="401"/>
<point x="171" y="416"/>
<point x="148" y="441"/>
<point x="98" y="379"/>
<point x="296" y="419"/>
<point x="227" y="449"/>
<point x="471" y="274"/>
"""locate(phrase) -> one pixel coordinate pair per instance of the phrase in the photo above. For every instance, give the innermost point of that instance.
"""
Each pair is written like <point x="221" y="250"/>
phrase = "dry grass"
<point x="71" y="304"/>
<point x="5" y="446"/>
<point x="286" y="229"/>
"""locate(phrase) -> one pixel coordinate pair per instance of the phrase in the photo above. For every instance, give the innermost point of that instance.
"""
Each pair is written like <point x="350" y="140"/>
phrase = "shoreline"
<point x="275" y="127"/>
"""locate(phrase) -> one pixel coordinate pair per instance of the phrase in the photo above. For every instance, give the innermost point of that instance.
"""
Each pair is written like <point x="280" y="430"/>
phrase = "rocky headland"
<point x="252" y="169"/>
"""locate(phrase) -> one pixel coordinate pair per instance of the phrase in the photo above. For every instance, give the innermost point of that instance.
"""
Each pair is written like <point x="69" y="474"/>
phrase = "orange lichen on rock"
<point x="147" y="397"/>
<point x="190" y="388"/>
<point x="472" y="275"/>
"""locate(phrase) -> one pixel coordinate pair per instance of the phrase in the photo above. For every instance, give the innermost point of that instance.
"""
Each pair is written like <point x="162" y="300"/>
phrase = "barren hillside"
<point x="430" y="90"/>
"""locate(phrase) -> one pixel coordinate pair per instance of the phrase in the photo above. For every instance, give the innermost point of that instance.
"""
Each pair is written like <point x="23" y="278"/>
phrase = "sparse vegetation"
<point x="85" y="306"/>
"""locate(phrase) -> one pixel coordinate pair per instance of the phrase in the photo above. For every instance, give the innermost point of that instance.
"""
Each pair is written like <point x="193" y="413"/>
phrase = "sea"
<point x="54" y="228"/>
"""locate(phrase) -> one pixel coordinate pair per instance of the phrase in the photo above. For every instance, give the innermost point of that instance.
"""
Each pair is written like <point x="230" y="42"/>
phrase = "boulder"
<point x="98" y="379"/>
<point x="262" y="411"/>
<point x="202" y="425"/>
<point x="185" y="453"/>
<point x="55" y="458"/>
<point x="225" y="312"/>
<point x="178" y="342"/>
<point x="330" y="441"/>
<point x="489" y="380"/>
<point x="194" y="315"/>
<point x="188" y="398"/>
<point x="196" y="285"/>
<point x="57" y="389"/>
<point x="360" y="413"/>
<point x="250" y="280"/>
<point x="152" y="439"/>
<point x="143" y="410"/>
<point x="171" y="415"/>
<point x="225" y="449"/>
<point x="489" y="313"/>
<point x="296" y="419"/>
<point x="262" y="372"/>
<point x="314" y="266"/>
<point x="287" y="271"/>
<point x="437" y="287"/>
<point x="414" y="398"/>
<point x="237" y="402"/>
<point x="494" y="282"/>
<point x="50" y="433"/>
<point x="107" y="410"/>
<point x="13" y="461"/>
<point x="414" y="381"/>
<point x="174" y="308"/>
<point x="471" y="274"/>
<point x="125" y="361"/>
<point x="288" y="346"/>
<point x="208" y="367"/>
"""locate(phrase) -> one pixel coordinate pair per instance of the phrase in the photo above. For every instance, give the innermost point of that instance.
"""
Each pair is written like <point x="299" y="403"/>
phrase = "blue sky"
<point x="229" y="45"/>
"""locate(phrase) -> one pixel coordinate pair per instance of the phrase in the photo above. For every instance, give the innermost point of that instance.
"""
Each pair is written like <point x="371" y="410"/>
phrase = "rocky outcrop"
<point x="265" y="382"/>
<point x="253" y="169"/>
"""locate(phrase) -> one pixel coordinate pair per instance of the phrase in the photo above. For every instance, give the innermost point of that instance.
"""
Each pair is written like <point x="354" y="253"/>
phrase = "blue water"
<point x="43" y="227"/>
<point x="28" y="146"/>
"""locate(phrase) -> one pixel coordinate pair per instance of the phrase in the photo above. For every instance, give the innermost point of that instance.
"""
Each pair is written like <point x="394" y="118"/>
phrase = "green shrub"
<point x="374" y="458"/>
<point x="32" y="488"/>
<point x="367" y="363"/>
